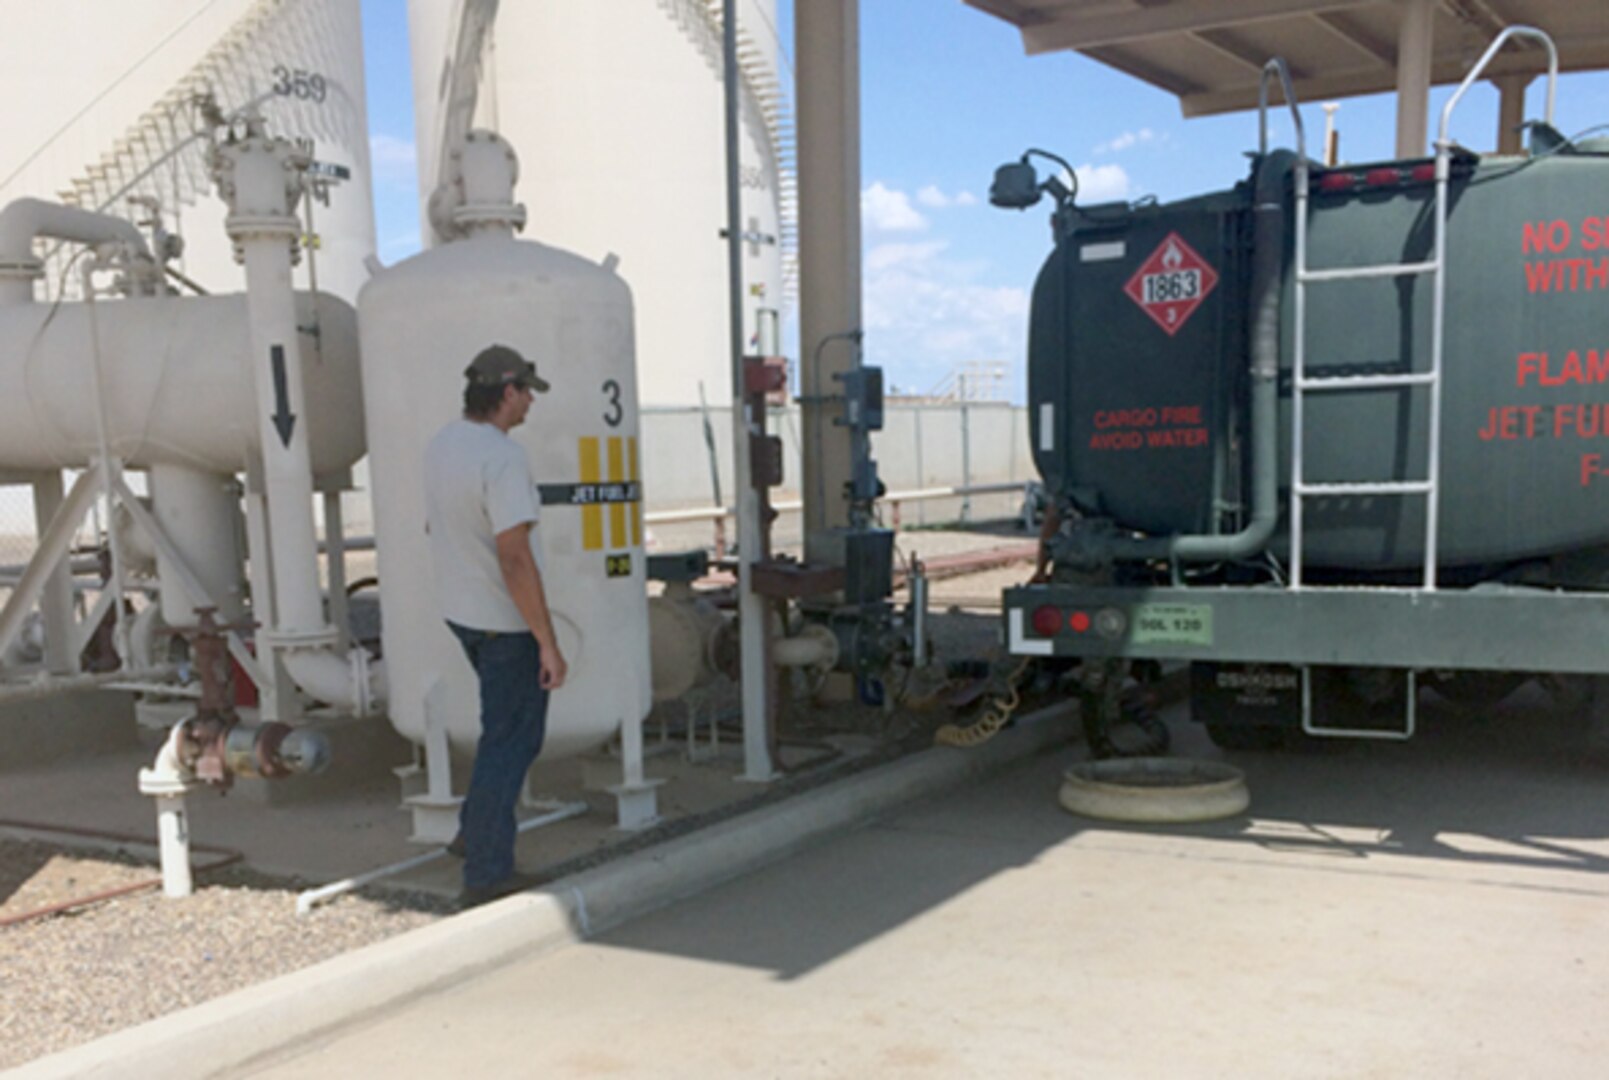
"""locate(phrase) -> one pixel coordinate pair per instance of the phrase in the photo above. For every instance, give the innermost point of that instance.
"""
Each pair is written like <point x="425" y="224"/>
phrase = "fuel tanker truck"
<point x="1330" y="435"/>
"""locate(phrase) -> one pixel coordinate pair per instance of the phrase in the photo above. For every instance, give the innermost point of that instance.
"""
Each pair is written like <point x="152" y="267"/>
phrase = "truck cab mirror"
<point x="1015" y="187"/>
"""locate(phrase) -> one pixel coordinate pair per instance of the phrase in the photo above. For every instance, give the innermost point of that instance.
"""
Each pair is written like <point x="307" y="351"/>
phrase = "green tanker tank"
<point x="1138" y="353"/>
<point x="1328" y="432"/>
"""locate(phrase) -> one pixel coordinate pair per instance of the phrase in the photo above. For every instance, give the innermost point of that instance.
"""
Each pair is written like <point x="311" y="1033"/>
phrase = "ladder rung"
<point x="1384" y="487"/>
<point x="1366" y="382"/>
<point x="1351" y="273"/>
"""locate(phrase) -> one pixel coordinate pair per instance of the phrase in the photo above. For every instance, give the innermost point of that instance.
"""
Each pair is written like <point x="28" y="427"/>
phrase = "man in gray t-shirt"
<point x="482" y="510"/>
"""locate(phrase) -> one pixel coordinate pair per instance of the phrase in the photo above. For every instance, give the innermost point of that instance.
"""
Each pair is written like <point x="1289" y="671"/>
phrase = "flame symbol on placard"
<point x="1172" y="258"/>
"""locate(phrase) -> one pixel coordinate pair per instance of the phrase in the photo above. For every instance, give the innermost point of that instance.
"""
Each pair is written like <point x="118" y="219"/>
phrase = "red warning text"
<point x="1149" y="428"/>
<point x="1561" y="266"/>
<point x="1573" y="369"/>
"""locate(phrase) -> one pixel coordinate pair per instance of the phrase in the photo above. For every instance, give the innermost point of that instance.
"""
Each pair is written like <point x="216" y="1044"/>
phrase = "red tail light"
<point x="1046" y="620"/>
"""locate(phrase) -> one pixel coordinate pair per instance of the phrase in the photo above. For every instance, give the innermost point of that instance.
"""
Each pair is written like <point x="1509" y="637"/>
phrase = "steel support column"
<point x="827" y="93"/>
<point x="1415" y="43"/>
<point x="1511" y="111"/>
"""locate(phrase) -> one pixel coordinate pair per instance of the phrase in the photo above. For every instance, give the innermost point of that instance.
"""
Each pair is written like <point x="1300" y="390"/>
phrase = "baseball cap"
<point x="499" y="364"/>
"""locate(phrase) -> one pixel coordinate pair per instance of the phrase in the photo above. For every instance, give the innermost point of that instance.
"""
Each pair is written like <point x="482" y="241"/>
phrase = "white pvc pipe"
<point x="815" y="646"/>
<point x="173" y="832"/>
<point x="350" y="682"/>
<point x="25" y="220"/>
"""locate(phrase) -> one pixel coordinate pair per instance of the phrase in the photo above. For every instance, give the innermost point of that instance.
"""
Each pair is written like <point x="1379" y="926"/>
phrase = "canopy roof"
<point x="1210" y="53"/>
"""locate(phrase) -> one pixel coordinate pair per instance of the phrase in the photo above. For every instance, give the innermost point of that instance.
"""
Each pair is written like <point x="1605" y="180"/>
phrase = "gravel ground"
<point x="71" y="978"/>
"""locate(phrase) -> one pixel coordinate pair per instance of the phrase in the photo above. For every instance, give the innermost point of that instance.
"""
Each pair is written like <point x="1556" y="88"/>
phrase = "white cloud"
<point x="1102" y="183"/>
<point x="925" y="312"/>
<point x="1126" y="141"/>
<point x="393" y="160"/>
<point x="889" y="210"/>
<point x="887" y="256"/>
<point x="935" y="196"/>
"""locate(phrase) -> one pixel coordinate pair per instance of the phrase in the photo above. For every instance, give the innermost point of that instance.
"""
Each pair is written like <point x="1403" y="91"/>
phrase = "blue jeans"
<point x="513" y="720"/>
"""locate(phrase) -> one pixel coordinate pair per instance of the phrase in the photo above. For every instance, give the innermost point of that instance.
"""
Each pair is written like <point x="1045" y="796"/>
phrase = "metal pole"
<point x="757" y="764"/>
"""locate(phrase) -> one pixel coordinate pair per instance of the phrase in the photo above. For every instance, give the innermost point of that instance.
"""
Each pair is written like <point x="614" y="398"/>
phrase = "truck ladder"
<point x="1303" y="384"/>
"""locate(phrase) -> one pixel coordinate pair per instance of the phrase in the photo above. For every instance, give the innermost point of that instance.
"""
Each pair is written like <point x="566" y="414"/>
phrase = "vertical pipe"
<point x="827" y="92"/>
<point x="173" y="839"/>
<point x="111" y="471"/>
<point x="335" y="559"/>
<point x="1415" y="49"/>
<point x="1298" y="368"/>
<point x="918" y="591"/>
<point x="261" y="184"/>
<point x="752" y="621"/>
<point x="197" y="510"/>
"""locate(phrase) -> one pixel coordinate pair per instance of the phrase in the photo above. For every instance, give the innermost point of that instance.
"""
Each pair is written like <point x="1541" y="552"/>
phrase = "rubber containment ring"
<point x="1154" y="789"/>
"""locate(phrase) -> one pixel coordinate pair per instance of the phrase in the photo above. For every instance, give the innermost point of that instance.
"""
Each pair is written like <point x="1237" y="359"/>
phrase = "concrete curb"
<point x="254" y="1024"/>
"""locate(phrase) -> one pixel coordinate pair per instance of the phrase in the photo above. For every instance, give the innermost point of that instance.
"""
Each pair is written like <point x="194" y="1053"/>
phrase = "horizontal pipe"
<point x="348" y="682"/>
<point x="708" y="513"/>
<point x="49" y="687"/>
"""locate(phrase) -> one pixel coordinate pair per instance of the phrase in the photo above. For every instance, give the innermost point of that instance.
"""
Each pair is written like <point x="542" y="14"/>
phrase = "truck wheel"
<point x="1246" y="736"/>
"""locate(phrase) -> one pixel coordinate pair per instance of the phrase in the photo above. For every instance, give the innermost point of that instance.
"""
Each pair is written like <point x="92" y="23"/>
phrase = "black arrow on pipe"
<point x="284" y="419"/>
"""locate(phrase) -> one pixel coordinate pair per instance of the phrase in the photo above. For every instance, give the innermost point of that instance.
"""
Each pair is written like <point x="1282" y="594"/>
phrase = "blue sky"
<point x="946" y="95"/>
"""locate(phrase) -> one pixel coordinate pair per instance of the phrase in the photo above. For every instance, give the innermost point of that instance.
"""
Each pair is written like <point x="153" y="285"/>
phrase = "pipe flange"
<point x="512" y="215"/>
<point x="242" y="226"/>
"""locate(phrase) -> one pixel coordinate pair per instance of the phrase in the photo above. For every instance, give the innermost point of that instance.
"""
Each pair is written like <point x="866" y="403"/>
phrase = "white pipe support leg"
<point x="636" y="796"/>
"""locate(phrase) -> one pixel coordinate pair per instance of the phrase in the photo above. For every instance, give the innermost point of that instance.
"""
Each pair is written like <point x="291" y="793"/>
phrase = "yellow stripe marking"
<point x="591" y="516"/>
<point x="636" y="506"/>
<point x="617" y="474"/>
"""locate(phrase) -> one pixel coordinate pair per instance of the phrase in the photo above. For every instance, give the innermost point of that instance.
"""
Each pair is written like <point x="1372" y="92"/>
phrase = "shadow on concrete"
<point x="1515" y="798"/>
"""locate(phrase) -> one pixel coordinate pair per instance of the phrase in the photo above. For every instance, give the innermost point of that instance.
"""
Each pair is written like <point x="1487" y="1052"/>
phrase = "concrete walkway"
<point x="1435" y="909"/>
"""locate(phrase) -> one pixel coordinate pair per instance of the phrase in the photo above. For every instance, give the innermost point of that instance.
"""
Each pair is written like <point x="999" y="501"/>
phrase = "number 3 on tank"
<point x="616" y="412"/>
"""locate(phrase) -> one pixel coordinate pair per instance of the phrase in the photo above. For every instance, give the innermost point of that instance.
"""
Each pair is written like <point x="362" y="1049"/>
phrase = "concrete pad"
<point x="1439" y="909"/>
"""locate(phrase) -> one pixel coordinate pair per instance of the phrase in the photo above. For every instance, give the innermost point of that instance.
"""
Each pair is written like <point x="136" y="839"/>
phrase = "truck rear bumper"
<point x="1489" y="628"/>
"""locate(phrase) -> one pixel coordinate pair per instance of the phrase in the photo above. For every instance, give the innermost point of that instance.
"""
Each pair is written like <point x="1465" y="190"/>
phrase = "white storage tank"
<point x="625" y="102"/>
<point x="109" y="114"/>
<point x="420" y="324"/>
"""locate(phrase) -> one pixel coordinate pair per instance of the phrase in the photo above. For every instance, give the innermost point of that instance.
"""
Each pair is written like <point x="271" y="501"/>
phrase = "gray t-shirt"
<point x="477" y="484"/>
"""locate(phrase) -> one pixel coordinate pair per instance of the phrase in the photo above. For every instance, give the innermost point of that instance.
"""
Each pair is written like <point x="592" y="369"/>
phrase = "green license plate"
<point x="1173" y="624"/>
